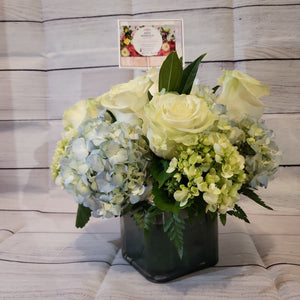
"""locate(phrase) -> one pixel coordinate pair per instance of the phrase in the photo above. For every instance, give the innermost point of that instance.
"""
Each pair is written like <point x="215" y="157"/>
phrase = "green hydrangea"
<point x="213" y="169"/>
<point x="60" y="152"/>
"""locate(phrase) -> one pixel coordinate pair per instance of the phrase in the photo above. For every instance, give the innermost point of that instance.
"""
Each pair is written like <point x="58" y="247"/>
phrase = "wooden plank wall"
<point x="56" y="52"/>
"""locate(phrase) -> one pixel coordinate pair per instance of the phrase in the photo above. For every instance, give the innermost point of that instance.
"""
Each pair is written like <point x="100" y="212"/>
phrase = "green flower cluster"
<point x="213" y="169"/>
<point x="105" y="166"/>
<point x="60" y="152"/>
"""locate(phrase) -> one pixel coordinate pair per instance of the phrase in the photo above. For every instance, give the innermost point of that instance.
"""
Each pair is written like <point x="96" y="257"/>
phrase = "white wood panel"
<point x="156" y="5"/>
<point x="4" y="234"/>
<point x="24" y="144"/>
<point x="17" y="181"/>
<point x="17" y="63"/>
<point x="56" y="281"/>
<point x="53" y="9"/>
<point x="23" y="95"/>
<point x="21" y="10"/>
<point x="265" y="224"/>
<point x="287" y="278"/>
<point x="257" y="36"/>
<point x="81" y="42"/>
<point x="60" y="248"/>
<point x="21" y="39"/>
<point x="279" y="251"/>
<point x="74" y="8"/>
<point x="239" y="3"/>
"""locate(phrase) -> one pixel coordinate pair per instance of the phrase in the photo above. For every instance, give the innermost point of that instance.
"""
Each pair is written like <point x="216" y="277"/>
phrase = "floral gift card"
<point x="146" y="43"/>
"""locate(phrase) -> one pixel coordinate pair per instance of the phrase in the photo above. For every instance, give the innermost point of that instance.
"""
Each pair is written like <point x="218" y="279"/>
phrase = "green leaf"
<point x="253" y="196"/>
<point x="223" y="218"/>
<point x="215" y="88"/>
<point x="168" y="224"/>
<point x="239" y="213"/>
<point x="149" y="96"/>
<point x="161" y="200"/>
<point x="83" y="215"/>
<point x="174" y="227"/>
<point x="188" y="76"/>
<point x="112" y="116"/>
<point x="158" y="168"/>
<point x="170" y="73"/>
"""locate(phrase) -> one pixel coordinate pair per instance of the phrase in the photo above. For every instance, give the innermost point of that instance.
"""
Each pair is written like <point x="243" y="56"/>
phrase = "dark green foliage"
<point x="247" y="191"/>
<point x="173" y="78"/>
<point x="113" y="118"/>
<point x="215" y="88"/>
<point x="170" y="73"/>
<point x="174" y="227"/>
<point x="188" y="76"/>
<point x="239" y="213"/>
<point x="158" y="170"/>
<point x="223" y="218"/>
<point x="83" y="216"/>
<point x="145" y="218"/>
<point x="163" y="201"/>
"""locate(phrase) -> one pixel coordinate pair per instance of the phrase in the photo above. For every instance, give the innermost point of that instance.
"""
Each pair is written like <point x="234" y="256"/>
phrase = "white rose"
<point x="241" y="95"/>
<point x="127" y="100"/>
<point x="176" y="119"/>
<point x="153" y="74"/>
<point x="79" y="112"/>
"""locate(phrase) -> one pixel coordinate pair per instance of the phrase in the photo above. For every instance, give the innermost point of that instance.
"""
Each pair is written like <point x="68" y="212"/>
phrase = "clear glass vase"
<point x="156" y="257"/>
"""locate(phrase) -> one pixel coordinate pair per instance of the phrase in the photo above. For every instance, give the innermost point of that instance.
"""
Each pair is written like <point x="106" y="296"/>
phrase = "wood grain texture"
<point x="26" y="144"/>
<point x="75" y="9"/>
<point x="64" y="248"/>
<point x="21" y="39"/>
<point x="23" y="95"/>
<point x="257" y="36"/>
<point x="29" y="10"/>
<point x="57" y="281"/>
<point x="287" y="280"/>
<point x="241" y="3"/>
<point x="54" y="9"/>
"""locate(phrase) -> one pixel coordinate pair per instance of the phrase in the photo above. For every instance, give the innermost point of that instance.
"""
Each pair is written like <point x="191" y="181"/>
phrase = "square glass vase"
<point x="156" y="257"/>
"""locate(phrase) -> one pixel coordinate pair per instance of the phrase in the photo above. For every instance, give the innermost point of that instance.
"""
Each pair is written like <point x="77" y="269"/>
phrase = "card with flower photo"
<point x="146" y="43"/>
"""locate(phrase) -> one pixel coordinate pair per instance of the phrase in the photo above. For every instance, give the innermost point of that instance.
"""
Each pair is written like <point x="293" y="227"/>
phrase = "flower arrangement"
<point x="161" y="143"/>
